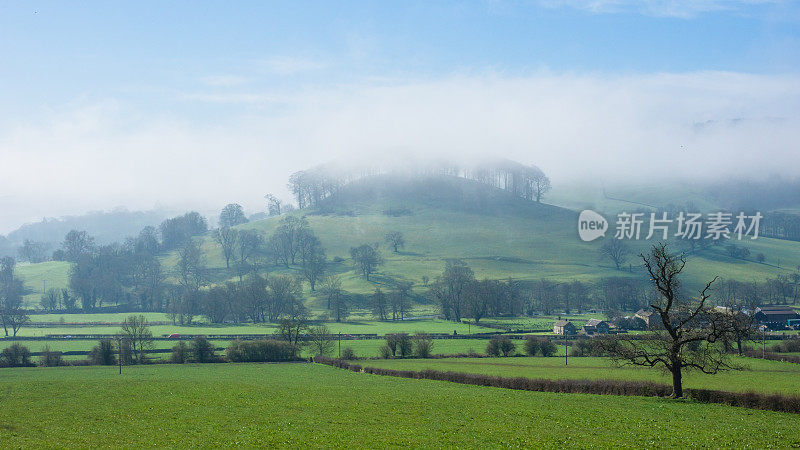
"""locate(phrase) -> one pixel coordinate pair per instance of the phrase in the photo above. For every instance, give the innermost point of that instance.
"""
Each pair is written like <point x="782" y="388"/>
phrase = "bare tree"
<point x="136" y="332"/>
<point x="76" y="243"/>
<point x="395" y="239"/>
<point x="247" y="246"/>
<point x="688" y="335"/>
<point x="273" y="205"/>
<point x="285" y="242"/>
<point x="11" y="289"/>
<point x="336" y="296"/>
<point x="51" y="299"/>
<point x="32" y="251"/>
<point x="540" y="184"/>
<point x="379" y="304"/>
<point x="616" y="250"/>
<point x="226" y="238"/>
<point x="741" y="328"/>
<point x="321" y="340"/>
<point x="366" y="259"/>
<point x="399" y="300"/>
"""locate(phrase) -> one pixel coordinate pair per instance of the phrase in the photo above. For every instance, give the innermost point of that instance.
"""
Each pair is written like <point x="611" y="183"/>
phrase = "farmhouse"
<point x="648" y="316"/>
<point x="775" y="316"/>
<point x="598" y="326"/>
<point x="564" y="326"/>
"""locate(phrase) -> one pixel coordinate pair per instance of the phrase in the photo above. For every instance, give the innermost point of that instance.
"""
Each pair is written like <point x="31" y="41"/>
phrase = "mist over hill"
<point x="105" y="226"/>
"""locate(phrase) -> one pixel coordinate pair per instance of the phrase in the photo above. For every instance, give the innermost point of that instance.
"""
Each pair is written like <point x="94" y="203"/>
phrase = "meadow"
<point x="783" y="378"/>
<point x="363" y="348"/>
<point x="309" y="405"/>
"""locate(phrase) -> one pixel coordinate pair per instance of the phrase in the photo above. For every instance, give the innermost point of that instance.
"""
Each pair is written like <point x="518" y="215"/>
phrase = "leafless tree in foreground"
<point x="689" y="333"/>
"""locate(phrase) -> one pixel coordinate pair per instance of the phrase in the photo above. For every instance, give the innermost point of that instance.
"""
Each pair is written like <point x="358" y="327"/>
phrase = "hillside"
<point x="498" y="234"/>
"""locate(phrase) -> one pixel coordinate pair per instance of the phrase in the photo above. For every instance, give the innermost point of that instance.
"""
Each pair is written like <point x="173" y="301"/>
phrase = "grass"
<point x="360" y="327"/>
<point x="96" y="317"/>
<point x="304" y="405"/>
<point x="38" y="278"/>
<point x="783" y="378"/>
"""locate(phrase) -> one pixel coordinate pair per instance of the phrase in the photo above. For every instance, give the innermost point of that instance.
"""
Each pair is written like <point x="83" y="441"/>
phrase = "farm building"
<point x="596" y="326"/>
<point x="775" y="316"/>
<point x="650" y="317"/>
<point x="564" y="326"/>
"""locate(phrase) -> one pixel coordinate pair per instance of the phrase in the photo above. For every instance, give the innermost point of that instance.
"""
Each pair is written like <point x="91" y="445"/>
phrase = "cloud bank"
<point x="622" y="128"/>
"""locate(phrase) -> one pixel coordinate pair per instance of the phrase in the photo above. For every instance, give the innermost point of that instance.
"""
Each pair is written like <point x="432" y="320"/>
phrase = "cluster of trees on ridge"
<point x="311" y="186"/>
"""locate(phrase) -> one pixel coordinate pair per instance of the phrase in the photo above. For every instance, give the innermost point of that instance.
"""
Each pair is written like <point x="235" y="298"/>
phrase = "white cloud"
<point x="707" y="124"/>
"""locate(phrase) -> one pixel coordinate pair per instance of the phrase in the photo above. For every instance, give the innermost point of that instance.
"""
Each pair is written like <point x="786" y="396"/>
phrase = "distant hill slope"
<point x="498" y="234"/>
<point x="105" y="226"/>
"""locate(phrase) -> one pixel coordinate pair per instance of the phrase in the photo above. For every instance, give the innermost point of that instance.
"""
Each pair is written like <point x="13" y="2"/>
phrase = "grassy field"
<point x="363" y="348"/>
<point x="365" y="327"/>
<point x="758" y="376"/>
<point x="305" y="405"/>
<point x="499" y="236"/>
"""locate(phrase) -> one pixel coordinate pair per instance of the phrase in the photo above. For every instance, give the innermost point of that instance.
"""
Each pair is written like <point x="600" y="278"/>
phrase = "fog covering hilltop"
<point x="311" y="186"/>
<point x="105" y="226"/>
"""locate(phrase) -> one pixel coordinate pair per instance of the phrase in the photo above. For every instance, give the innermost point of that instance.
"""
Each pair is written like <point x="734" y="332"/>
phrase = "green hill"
<point x="498" y="234"/>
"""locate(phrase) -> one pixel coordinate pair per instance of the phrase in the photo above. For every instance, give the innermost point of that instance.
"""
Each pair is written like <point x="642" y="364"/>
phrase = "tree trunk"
<point x="677" y="384"/>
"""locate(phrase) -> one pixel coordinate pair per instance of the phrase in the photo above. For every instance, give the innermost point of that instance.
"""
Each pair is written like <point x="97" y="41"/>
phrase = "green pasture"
<point x="307" y="405"/>
<point x="758" y="375"/>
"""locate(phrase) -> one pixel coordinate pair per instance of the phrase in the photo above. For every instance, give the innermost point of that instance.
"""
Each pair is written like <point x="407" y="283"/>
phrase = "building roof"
<point x="593" y="322"/>
<point x="773" y="310"/>
<point x="562" y="323"/>
<point x="645" y="312"/>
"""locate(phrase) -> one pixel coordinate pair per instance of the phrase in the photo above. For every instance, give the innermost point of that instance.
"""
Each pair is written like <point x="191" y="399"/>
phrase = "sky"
<point x="198" y="104"/>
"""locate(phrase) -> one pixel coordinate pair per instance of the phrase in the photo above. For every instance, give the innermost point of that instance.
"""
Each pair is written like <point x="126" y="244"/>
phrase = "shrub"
<point x="532" y="346"/>
<point x="126" y="352"/>
<point x="547" y="348"/>
<point x="423" y="344"/>
<point x="507" y="346"/>
<point x="539" y="346"/>
<point x="385" y="352"/>
<point x="103" y="353"/>
<point x="348" y="353"/>
<point x="630" y="323"/>
<point x="180" y="353"/>
<point x="265" y="350"/>
<point x="202" y="350"/>
<point x="773" y="402"/>
<point x="585" y="347"/>
<point x="399" y="343"/>
<point x="16" y="355"/>
<point x="493" y="347"/>
<point x="787" y="346"/>
<point x="500" y="345"/>
<point x="50" y="358"/>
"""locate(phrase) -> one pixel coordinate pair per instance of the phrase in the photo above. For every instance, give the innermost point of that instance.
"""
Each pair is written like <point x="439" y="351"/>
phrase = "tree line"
<point x="311" y="186"/>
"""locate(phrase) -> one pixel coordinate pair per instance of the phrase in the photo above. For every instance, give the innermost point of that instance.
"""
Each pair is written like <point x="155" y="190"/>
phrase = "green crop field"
<point x="782" y="377"/>
<point x="306" y="405"/>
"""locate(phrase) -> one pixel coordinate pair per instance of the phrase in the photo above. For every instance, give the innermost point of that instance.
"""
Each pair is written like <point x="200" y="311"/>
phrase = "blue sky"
<point x="56" y="51"/>
<point x="103" y="83"/>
